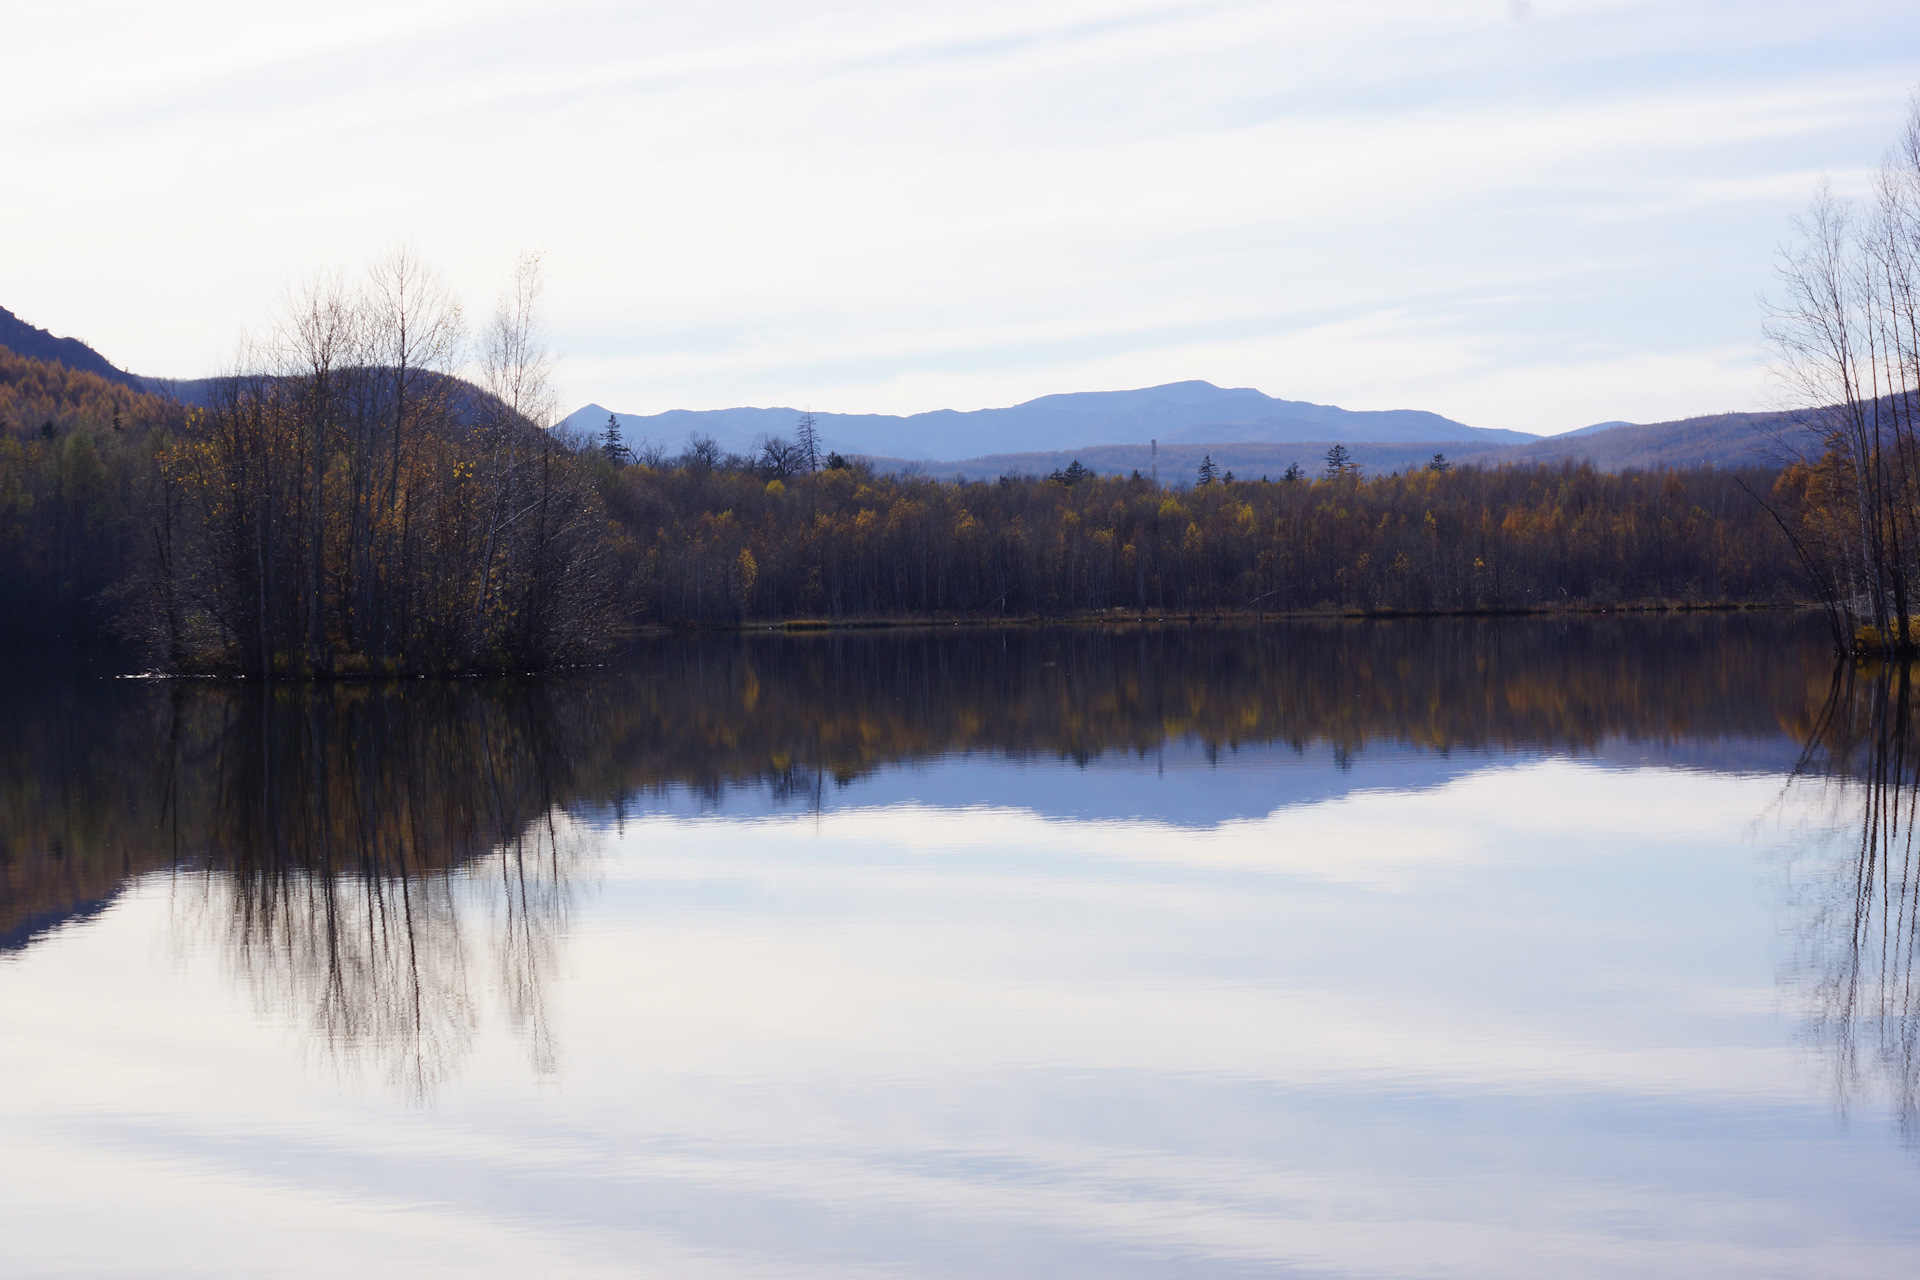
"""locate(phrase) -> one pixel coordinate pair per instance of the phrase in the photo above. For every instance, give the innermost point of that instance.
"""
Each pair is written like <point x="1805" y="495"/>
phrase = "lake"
<point x="1457" y="947"/>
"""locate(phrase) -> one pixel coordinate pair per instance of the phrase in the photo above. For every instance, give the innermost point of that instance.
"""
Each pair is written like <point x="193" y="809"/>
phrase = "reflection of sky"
<point x="1190" y="784"/>
<point x="1516" y="1018"/>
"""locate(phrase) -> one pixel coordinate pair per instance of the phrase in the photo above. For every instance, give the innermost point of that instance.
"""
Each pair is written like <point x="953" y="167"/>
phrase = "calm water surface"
<point x="1479" y="949"/>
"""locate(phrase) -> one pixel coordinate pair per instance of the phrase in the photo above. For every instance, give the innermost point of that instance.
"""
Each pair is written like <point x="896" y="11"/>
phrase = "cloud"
<point x="893" y="208"/>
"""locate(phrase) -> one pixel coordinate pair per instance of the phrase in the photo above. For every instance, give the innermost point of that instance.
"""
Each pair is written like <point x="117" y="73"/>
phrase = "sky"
<point x="1524" y="215"/>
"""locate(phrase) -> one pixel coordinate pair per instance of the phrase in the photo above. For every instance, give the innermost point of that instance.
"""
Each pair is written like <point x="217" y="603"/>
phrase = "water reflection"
<point x="1858" y="891"/>
<point x="323" y="840"/>
<point x="360" y="853"/>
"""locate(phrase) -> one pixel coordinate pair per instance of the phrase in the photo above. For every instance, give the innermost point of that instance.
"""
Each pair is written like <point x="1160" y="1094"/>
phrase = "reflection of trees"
<point x="382" y="860"/>
<point x="1860" y="908"/>
<point x="362" y="839"/>
<point x="376" y="862"/>
<point x="103" y="780"/>
<point x="394" y="969"/>
<point x="785" y="711"/>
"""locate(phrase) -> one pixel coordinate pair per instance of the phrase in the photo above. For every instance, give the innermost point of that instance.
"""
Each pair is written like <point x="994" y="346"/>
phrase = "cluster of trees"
<point x="1847" y="330"/>
<point x="704" y="539"/>
<point x="341" y="504"/>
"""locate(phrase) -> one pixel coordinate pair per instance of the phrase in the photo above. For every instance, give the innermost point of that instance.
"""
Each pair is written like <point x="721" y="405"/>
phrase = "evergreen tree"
<point x="1440" y="464"/>
<point x="612" y="445"/>
<point x="1208" y="472"/>
<point x="1339" y="462"/>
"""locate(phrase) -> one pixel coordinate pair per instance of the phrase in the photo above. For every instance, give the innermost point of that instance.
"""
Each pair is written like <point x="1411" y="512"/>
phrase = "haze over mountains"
<point x="1241" y="429"/>
<point x="1177" y="413"/>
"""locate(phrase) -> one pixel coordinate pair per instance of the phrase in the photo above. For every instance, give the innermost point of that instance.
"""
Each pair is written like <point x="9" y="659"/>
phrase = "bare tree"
<point x="417" y="331"/>
<point x="323" y="344"/>
<point x="703" y="454"/>
<point x="1845" y="331"/>
<point x="780" y="459"/>
<point x="516" y="368"/>
<point x="806" y="438"/>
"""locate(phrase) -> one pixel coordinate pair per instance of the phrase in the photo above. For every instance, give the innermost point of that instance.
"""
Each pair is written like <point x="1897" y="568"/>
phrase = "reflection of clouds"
<point x="937" y="1044"/>
<point x="1357" y="938"/>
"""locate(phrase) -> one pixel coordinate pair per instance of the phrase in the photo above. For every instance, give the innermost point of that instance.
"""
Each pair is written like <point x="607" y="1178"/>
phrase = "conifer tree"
<point x="612" y="445"/>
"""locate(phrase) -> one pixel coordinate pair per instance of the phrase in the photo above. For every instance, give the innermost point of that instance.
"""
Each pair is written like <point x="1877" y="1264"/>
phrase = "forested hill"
<point x="49" y="397"/>
<point x="23" y="339"/>
<point x="1721" y="440"/>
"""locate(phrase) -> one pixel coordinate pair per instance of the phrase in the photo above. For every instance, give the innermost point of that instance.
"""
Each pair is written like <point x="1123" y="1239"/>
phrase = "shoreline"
<point x="1135" y="616"/>
<point x="89" y="655"/>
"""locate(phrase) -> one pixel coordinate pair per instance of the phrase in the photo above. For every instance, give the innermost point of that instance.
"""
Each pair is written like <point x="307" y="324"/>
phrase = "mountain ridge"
<point x="1242" y="429"/>
<point x="1174" y="412"/>
<point x="23" y="339"/>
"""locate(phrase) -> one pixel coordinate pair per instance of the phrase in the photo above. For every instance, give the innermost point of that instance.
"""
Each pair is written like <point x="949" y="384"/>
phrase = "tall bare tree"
<point x="418" y="328"/>
<point x="322" y="340"/>
<point x="1846" y="335"/>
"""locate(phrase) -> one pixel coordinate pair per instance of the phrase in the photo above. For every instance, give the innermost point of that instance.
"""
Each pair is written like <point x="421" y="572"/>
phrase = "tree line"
<point x="705" y="539"/>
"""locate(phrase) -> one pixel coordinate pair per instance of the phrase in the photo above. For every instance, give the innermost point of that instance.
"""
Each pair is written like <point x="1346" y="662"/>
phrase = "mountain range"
<point x="1175" y="413"/>
<point x="1241" y="429"/>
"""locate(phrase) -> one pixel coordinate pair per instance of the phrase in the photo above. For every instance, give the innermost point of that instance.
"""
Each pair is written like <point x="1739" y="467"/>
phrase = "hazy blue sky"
<point x="1519" y="215"/>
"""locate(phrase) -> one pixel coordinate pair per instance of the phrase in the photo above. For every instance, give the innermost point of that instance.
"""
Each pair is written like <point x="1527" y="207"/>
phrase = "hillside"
<point x="1176" y="413"/>
<point x="47" y="396"/>
<point x="1721" y="440"/>
<point x="23" y="339"/>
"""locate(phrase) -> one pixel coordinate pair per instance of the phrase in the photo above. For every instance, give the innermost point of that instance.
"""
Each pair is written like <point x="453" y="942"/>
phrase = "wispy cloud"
<point x="872" y="205"/>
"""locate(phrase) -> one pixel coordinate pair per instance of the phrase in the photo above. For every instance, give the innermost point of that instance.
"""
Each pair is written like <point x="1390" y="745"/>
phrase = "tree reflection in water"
<point x="380" y="861"/>
<point x="361" y="853"/>
<point x="1858" y="895"/>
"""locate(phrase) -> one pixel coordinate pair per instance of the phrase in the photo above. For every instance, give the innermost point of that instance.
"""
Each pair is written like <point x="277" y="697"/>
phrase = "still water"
<point x="1443" y="948"/>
